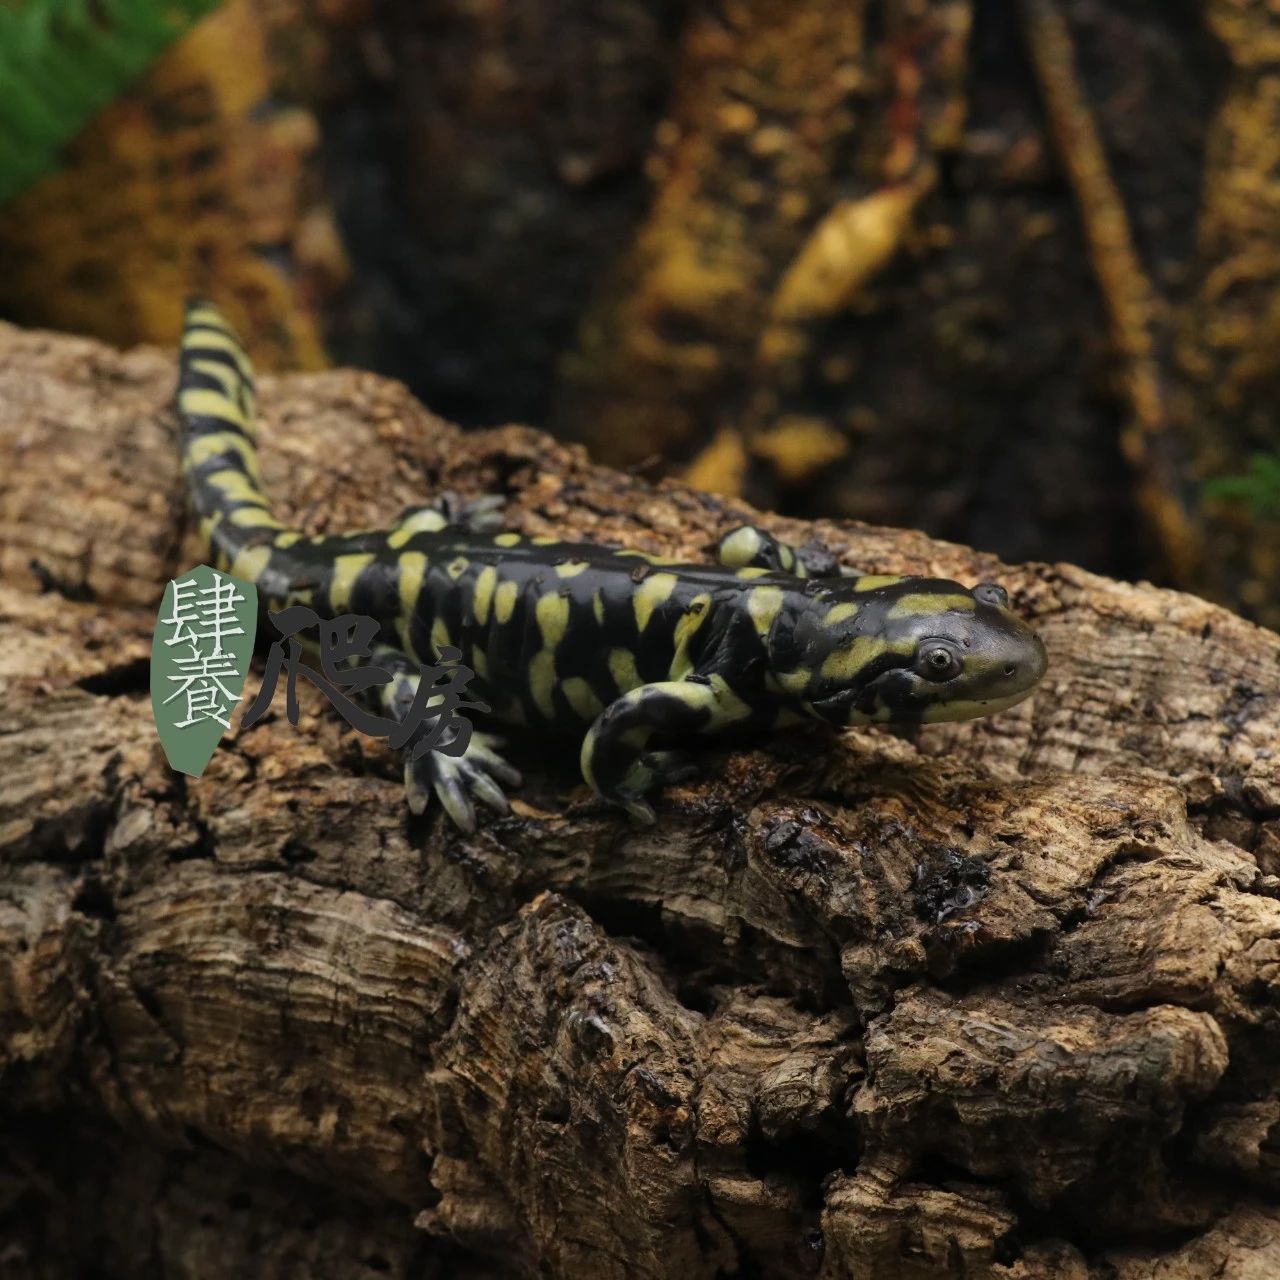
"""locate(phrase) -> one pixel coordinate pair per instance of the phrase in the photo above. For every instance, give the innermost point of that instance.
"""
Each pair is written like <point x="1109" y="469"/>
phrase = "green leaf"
<point x="1260" y="486"/>
<point x="62" y="61"/>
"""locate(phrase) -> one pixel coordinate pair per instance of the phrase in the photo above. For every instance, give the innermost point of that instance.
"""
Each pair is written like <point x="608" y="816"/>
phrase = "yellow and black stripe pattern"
<point x="217" y="403"/>
<point x="636" y="655"/>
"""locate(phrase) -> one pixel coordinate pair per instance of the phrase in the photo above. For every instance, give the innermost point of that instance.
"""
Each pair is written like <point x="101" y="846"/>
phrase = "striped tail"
<point x="216" y="408"/>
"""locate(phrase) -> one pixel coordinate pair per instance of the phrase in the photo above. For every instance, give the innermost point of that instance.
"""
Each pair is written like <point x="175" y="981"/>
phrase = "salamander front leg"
<point x="747" y="547"/>
<point x="616" y="759"/>
<point x="456" y="780"/>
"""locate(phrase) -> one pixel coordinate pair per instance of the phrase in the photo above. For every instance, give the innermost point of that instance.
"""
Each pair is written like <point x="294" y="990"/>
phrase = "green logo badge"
<point x="199" y="658"/>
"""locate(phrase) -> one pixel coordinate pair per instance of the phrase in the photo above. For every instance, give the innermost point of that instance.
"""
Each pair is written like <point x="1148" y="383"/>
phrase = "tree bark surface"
<point x="998" y="1000"/>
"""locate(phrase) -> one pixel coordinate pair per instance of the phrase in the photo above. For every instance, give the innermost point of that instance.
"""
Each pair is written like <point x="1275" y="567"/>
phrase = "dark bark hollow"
<point x="999" y="1000"/>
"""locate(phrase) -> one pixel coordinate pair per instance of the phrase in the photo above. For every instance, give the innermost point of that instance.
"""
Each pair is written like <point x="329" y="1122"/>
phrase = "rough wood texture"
<point x="999" y="1001"/>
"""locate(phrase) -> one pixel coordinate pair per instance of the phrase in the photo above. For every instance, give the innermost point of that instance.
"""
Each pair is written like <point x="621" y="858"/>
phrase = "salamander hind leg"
<point x="617" y="761"/>
<point x="456" y="780"/>
<point x="449" y="511"/>
<point x="747" y="547"/>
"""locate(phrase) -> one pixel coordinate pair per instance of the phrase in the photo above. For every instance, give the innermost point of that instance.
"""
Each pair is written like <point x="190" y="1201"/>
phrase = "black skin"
<point x="582" y="639"/>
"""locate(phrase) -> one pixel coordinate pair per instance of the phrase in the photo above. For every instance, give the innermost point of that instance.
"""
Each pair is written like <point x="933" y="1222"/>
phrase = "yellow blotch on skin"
<point x="210" y="317"/>
<point x="571" y="568"/>
<point x="250" y="562"/>
<point x="202" y="402"/>
<point x="231" y="381"/>
<point x="695" y="615"/>
<point x="425" y="520"/>
<point x="756" y="571"/>
<point x="845" y="663"/>
<point x="202" y="448"/>
<point x="413" y="568"/>
<point x="220" y="341"/>
<point x="870" y="581"/>
<point x="652" y="592"/>
<point x="288" y="539"/>
<point x="486" y="581"/>
<point x="542" y="682"/>
<point x="236" y="485"/>
<point x="552" y="613"/>
<point x="840" y="613"/>
<point x="764" y="604"/>
<point x="507" y="540"/>
<point x="581" y="697"/>
<point x="585" y="757"/>
<point x="794" y="682"/>
<point x="457" y="567"/>
<point x="597" y="607"/>
<point x="255" y="517"/>
<point x="440" y="638"/>
<point x="504" y="601"/>
<point x="922" y="604"/>
<point x="622" y="667"/>
<point x="346" y="569"/>
<point x="726" y="707"/>
<point x="740" y="547"/>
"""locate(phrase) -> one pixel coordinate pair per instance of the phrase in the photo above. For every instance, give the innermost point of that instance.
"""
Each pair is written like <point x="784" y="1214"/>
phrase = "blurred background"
<point x="1004" y="270"/>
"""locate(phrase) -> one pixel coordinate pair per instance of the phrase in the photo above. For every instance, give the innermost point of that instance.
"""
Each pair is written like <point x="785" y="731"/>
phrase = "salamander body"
<point x="634" y="655"/>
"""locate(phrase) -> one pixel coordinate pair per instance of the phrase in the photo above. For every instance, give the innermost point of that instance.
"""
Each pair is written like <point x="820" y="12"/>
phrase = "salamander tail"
<point x="216" y="410"/>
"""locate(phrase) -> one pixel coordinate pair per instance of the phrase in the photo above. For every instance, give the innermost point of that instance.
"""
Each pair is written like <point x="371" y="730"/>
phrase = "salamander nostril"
<point x="1010" y="668"/>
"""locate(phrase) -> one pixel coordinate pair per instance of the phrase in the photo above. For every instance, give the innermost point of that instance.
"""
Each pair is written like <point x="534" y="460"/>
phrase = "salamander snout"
<point x="1028" y="667"/>
<point x="910" y="650"/>
<point x="1003" y="660"/>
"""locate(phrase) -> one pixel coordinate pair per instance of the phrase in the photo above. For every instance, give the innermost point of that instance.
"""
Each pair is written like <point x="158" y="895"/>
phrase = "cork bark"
<point x="993" y="1000"/>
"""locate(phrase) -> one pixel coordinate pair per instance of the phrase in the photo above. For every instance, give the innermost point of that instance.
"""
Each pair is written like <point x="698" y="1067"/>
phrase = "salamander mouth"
<point x="972" y="708"/>
<point x="897" y="709"/>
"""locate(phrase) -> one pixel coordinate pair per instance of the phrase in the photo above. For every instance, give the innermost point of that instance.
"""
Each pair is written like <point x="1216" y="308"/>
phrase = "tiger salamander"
<point x="636" y="654"/>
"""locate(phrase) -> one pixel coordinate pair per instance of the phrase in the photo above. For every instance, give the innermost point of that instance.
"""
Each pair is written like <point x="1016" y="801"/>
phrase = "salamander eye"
<point x="937" y="660"/>
<point x="991" y="593"/>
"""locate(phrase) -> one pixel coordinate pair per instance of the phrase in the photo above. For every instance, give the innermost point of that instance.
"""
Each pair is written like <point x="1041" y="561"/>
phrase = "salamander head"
<point x="907" y="650"/>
